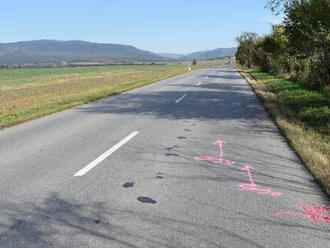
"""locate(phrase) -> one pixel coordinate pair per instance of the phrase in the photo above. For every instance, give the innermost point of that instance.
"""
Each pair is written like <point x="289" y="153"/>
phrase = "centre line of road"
<point x="181" y="98"/>
<point x="106" y="154"/>
<point x="199" y="83"/>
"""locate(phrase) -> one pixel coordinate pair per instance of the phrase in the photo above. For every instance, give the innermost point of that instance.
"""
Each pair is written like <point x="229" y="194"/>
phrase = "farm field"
<point x="29" y="93"/>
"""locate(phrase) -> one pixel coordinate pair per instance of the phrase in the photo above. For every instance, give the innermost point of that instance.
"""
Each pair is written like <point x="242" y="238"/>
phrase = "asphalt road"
<point x="192" y="161"/>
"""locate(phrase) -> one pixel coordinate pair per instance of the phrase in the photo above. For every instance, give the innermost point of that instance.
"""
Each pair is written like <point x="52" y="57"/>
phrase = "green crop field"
<point x="29" y="93"/>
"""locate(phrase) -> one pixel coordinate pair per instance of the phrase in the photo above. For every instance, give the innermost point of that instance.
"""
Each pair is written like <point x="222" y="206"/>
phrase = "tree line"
<point x="299" y="46"/>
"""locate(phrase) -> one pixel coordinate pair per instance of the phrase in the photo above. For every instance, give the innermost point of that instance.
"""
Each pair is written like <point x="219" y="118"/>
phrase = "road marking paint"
<point x="314" y="213"/>
<point x="181" y="98"/>
<point x="199" y="83"/>
<point x="219" y="159"/>
<point x="254" y="187"/>
<point x="106" y="154"/>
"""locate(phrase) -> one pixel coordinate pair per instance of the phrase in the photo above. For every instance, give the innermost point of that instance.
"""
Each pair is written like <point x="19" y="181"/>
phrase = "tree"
<point x="277" y="6"/>
<point x="307" y="25"/>
<point x="246" y="48"/>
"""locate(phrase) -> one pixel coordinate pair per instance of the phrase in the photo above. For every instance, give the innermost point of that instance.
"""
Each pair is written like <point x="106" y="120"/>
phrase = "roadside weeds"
<point x="311" y="144"/>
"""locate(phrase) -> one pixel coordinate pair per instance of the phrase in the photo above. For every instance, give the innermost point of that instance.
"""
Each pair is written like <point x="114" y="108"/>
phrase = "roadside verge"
<point x="303" y="116"/>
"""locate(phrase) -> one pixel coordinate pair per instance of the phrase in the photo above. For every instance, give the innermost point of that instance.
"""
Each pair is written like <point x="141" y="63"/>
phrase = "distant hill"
<point x="211" y="54"/>
<point x="54" y="51"/>
<point x="171" y="55"/>
<point x="203" y="55"/>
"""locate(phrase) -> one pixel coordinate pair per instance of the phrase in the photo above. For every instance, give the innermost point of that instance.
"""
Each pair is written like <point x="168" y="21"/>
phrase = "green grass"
<point x="29" y="93"/>
<point x="303" y="115"/>
<point x="298" y="101"/>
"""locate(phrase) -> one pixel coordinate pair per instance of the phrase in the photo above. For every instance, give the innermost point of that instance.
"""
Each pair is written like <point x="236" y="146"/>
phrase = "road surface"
<point x="191" y="161"/>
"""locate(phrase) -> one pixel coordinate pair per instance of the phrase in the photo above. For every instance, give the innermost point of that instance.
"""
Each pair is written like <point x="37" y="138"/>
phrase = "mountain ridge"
<point x="210" y="54"/>
<point x="48" y="51"/>
<point x="203" y="55"/>
<point x="56" y="51"/>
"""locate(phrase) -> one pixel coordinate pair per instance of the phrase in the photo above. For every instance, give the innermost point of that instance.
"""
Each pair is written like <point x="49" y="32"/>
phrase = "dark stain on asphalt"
<point x="187" y="130"/>
<point x="128" y="184"/>
<point x="182" y="137"/>
<point x="172" y="154"/>
<point x="170" y="148"/>
<point x="97" y="221"/>
<point x="145" y="199"/>
<point x="19" y="225"/>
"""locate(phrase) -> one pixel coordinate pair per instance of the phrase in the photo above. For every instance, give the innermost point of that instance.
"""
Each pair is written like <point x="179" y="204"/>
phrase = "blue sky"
<point x="179" y="26"/>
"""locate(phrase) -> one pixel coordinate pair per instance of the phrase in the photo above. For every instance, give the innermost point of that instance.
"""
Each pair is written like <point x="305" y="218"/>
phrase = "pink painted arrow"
<point x="248" y="168"/>
<point x="220" y="144"/>
<point x="219" y="159"/>
<point x="254" y="187"/>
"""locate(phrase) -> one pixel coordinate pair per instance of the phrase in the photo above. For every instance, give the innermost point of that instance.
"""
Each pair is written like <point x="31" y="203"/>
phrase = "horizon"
<point x="118" y="44"/>
<point x="178" y="27"/>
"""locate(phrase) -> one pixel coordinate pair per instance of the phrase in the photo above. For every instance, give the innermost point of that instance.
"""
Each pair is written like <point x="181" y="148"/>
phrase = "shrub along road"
<point x="192" y="161"/>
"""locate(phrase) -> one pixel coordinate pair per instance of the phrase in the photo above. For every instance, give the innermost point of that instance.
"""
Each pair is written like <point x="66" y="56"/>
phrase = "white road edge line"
<point x="181" y="98"/>
<point x="199" y="83"/>
<point x="106" y="154"/>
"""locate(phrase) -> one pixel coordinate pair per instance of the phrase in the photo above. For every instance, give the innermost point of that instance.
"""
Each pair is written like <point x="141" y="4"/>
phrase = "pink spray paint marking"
<point x="254" y="187"/>
<point x="219" y="159"/>
<point x="314" y="213"/>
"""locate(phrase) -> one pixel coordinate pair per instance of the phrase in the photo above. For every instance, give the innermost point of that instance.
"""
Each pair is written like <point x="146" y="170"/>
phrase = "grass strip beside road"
<point x="302" y="114"/>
